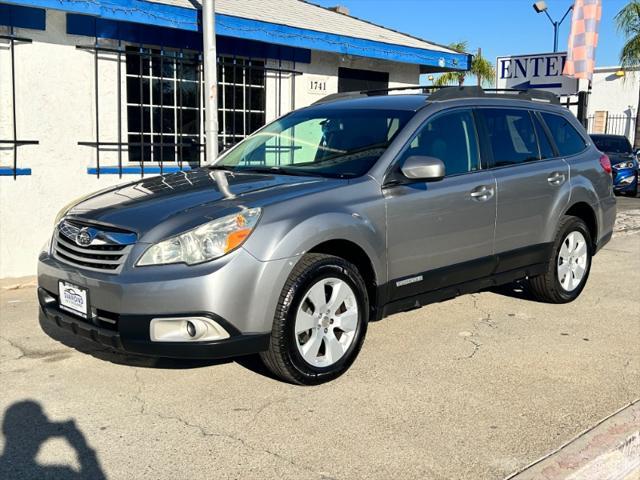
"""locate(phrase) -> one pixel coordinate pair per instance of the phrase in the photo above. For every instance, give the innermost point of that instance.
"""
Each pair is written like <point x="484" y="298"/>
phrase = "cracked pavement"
<point x="476" y="387"/>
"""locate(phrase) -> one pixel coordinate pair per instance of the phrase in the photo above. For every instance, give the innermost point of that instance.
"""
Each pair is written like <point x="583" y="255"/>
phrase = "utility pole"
<point x="477" y="76"/>
<point x="210" y="80"/>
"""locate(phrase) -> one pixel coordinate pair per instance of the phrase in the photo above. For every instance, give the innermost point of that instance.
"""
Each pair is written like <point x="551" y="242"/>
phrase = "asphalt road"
<point x="472" y="388"/>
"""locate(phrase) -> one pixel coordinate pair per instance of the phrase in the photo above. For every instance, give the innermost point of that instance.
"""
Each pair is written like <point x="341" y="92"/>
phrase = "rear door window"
<point x="566" y="137"/>
<point x="512" y="136"/>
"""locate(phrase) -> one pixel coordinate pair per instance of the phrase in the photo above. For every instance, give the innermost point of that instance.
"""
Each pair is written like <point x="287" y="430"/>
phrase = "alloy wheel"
<point x="573" y="261"/>
<point x="326" y="322"/>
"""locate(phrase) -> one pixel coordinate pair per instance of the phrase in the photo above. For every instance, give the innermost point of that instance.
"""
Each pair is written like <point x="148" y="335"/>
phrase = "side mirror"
<point x="428" y="169"/>
<point x="637" y="152"/>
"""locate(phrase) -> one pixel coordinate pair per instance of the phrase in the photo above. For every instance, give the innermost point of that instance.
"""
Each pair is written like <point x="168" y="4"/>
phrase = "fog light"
<point x="188" y="329"/>
<point x="191" y="329"/>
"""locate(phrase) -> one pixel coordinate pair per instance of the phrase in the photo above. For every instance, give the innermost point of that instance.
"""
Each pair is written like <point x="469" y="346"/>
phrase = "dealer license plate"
<point x="74" y="299"/>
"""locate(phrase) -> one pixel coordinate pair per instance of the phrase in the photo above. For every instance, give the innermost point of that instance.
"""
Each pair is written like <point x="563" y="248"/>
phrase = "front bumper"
<point x="625" y="180"/>
<point x="131" y="335"/>
<point x="237" y="291"/>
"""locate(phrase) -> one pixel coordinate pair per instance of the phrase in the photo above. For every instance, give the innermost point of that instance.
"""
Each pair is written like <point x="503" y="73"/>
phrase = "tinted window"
<point x="568" y="140"/>
<point x="511" y="134"/>
<point x="611" y="144"/>
<point x="546" y="150"/>
<point x="451" y="137"/>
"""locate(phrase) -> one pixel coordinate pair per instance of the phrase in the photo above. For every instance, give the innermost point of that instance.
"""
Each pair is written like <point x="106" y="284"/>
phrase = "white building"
<point x="613" y="101"/>
<point x="95" y="93"/>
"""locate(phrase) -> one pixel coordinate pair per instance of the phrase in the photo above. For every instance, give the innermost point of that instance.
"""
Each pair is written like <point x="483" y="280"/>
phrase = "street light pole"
<point x="210" y="80"/>
<point x="540" y="7"/>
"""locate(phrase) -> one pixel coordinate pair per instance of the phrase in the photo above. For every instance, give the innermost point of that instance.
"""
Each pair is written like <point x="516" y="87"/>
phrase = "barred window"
<point x="241" y="98"/>
<point x="165" y="103"/>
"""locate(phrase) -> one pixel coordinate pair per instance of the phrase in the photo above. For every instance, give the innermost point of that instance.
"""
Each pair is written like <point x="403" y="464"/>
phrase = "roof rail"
<point x="451" y="93"/>
<point x="448" y="92"/>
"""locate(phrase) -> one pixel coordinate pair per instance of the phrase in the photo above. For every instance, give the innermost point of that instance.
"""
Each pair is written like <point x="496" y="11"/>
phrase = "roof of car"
<point x="383" y="102"/>
<point x="414" y="97"/>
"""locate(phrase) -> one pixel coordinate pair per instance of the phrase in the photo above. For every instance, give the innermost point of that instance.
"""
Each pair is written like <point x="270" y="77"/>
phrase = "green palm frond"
<point x="450" y="78"/>
<point x="483" y="70"/>
<point x="628" y="23"/>
<point x="480" y="67"/>
<point x="460" y="46"/>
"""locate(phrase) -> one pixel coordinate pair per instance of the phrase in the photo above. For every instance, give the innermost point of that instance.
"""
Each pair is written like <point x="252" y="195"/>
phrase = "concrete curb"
<point x="610" y="450"/>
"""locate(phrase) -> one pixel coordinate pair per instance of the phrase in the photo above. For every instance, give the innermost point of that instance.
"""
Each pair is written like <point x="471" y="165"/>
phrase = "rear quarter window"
<point x="565" y="136"/>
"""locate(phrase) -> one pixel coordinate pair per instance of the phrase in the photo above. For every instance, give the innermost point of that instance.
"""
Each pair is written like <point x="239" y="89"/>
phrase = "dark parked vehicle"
<point x="624" y="161"/>
<point x="334" y="215"/>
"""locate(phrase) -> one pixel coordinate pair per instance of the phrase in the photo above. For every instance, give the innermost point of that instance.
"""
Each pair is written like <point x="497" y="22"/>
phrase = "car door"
<point x="532" y="181"/>
<point x="440" y="233"/>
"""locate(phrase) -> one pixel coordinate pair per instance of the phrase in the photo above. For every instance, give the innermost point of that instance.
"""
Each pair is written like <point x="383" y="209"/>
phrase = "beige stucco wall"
<point x="55" y="99"/>
<point x="617" y="95"/>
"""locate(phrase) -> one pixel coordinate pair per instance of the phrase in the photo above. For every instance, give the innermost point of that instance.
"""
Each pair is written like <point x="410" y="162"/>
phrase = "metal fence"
<point x="614" y="124"/>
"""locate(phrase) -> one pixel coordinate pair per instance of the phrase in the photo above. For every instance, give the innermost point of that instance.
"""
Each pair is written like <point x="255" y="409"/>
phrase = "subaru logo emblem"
<point x="83" y="237"/>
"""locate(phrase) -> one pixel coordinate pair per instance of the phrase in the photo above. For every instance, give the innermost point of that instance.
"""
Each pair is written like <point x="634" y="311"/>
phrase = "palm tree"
<point x="628" y="21"/>
<point x="480" y="67"/>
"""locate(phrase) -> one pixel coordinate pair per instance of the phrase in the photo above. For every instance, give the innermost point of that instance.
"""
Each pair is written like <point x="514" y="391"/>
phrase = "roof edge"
<point x="171" y="16"/>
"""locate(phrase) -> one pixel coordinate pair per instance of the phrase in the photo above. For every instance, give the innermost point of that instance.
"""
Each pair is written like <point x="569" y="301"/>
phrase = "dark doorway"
<point x="353" y="80"/>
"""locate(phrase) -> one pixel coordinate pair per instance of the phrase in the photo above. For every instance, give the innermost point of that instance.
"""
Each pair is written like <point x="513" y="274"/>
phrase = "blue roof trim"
<point x="23" y="17"/>
<point x="134" y="170"/>
<point x="138" y="11"/>
<point x="90" y="26"/>
<point x="162" y="15"/>
<point x="330" y="42"/>
<point x="8" y="171"/>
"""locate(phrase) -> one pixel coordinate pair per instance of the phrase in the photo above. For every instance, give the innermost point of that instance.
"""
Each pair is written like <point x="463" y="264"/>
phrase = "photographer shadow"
<point x="26" y="428"/>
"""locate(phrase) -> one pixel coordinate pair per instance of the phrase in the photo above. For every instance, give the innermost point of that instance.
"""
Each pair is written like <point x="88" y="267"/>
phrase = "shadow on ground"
<point x="26" y="428"/>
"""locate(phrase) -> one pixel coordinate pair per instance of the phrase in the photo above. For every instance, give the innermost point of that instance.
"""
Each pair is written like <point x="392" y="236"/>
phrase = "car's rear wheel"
<point x="320" y="322"/>
<point x="569" y="266"/>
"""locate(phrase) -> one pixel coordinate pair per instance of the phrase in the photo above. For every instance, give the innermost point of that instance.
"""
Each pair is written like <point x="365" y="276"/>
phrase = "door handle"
<point x="482" y="193"/>
<point x="556" y="178"/>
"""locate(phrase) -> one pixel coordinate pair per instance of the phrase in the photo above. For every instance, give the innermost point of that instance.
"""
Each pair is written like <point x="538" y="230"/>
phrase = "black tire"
<point x="547" y="287"/>
<point x="283" y="357"/>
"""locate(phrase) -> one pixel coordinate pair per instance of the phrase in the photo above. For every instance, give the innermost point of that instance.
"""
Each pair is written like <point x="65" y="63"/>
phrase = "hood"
<point x="162" y="206"/>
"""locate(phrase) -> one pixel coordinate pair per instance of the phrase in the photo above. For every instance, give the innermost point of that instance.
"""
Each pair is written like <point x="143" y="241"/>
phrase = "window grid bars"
<point x="231" y="131"/>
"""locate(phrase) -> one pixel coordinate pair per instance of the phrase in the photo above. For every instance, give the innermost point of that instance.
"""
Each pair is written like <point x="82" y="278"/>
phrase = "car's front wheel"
<point x="569" y="266"/>
<point x="320" y="322"/>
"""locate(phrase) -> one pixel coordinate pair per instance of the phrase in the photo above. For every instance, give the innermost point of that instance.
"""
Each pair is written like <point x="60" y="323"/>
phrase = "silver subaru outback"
<point x="331" y="217"/>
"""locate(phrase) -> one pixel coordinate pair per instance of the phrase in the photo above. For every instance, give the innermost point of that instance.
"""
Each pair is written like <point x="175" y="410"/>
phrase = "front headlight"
<point x="206" y="242"/>
<point x="620" y="165"/>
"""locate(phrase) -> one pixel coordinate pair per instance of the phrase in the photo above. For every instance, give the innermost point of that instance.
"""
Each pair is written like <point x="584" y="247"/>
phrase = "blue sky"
<point x="499" y="27"/>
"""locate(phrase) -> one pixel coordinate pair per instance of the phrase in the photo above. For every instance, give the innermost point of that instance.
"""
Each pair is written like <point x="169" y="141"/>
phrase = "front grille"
<point x="92" y="247"/>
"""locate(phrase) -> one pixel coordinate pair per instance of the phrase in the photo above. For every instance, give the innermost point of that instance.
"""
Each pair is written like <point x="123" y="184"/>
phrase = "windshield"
<point x="340" y="143"/>
<point x="612" y="144"/>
